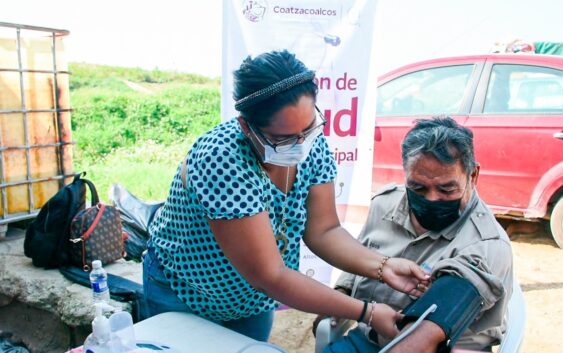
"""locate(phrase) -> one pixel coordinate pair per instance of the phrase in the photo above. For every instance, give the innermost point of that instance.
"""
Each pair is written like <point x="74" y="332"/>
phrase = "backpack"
<point x="47" y="237"/>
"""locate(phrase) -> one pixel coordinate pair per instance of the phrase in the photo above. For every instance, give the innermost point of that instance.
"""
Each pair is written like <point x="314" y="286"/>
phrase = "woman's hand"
<point x="405" y="276"/>
<point x="384" y="320"/>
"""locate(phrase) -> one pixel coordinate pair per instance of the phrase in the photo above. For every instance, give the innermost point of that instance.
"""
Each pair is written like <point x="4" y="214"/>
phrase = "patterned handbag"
<point x="96" y="234"/>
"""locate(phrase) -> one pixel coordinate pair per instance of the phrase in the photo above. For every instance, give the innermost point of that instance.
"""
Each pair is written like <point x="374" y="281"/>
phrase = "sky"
<point x="185" y="35"/>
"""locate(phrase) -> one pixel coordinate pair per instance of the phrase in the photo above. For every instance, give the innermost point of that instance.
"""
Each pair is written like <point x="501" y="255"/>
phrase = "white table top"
<point x="188" y="333"/>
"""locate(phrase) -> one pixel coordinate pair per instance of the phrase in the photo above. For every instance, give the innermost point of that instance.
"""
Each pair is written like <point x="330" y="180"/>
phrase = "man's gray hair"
<point x="443" y="138"/>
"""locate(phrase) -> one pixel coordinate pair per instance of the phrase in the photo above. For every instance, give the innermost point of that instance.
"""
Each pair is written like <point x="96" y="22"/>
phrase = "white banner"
<point x="334" y="38"/>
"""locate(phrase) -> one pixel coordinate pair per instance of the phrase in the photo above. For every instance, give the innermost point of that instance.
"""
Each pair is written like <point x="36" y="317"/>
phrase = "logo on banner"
<point x="254" y="10"/>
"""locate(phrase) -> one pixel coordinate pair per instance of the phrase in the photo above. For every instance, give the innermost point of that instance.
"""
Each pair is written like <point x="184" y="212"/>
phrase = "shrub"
<point x="133" y="126"/>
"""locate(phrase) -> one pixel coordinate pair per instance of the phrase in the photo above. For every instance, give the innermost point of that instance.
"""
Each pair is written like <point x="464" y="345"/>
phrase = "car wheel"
<point x="556" y="222"/>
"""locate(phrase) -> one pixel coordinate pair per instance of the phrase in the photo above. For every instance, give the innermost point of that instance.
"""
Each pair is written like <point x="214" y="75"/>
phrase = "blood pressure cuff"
<point x="458" y="304"/>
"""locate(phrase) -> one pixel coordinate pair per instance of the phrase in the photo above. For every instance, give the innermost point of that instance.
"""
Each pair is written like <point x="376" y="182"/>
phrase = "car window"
<point x="425" y="92"/>
<point x="524" y="89"/>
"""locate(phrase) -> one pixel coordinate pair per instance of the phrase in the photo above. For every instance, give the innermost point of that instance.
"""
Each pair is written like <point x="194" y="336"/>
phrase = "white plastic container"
<point x="122" y="332"/>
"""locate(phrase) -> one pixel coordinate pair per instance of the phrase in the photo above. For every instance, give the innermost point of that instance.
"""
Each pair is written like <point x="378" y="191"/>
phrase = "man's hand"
<point x="405" y="276"/>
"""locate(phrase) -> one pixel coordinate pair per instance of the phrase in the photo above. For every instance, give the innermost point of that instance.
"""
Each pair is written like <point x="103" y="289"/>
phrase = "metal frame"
<point x="5" y="217"/>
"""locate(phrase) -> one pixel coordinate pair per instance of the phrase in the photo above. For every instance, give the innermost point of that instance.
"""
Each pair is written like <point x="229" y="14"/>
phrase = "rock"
<point x="48" y="289"/>
<point x="45" y="310"/>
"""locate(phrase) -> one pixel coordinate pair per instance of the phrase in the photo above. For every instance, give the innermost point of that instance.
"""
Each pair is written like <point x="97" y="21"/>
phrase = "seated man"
<point x="437" y="220"/>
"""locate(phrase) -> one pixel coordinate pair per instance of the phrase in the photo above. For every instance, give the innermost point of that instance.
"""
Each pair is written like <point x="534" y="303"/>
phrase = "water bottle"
<point x="99" y="282"/>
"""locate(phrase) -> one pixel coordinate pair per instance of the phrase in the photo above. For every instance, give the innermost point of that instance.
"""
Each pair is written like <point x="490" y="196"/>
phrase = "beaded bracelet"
<point x="371" y="313"/>
<point x="380" y="269"/>
<point x="363" y="311"/>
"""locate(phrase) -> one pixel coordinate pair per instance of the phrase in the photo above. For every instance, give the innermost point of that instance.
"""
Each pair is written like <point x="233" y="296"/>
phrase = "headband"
<point x="278" y="87"/>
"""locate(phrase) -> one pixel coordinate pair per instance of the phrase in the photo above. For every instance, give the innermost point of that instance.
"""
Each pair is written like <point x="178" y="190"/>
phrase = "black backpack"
<point x="47" y="237"/>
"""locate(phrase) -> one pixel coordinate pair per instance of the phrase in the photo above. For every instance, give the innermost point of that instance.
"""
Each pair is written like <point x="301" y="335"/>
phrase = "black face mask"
<point x="433" y="215"/>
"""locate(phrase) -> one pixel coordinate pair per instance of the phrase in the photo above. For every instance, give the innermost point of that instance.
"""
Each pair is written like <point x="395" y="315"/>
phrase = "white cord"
<point x="399" y="338"/>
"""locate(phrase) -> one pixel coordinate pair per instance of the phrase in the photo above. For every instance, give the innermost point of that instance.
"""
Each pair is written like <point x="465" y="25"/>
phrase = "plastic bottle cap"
<point x="96" y="264"/>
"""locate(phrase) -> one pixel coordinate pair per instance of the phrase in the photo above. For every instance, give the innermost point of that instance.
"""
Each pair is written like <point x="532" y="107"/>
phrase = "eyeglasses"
<point x="286" y="144"/>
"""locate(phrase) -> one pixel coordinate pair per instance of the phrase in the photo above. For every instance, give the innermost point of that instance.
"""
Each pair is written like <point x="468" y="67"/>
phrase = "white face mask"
<point x="295" y="155"/>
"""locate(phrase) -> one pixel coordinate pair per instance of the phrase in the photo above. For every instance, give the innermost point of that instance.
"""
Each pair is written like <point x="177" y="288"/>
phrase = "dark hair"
<point x="443" y="138"/>
<point x="263" y="71"/>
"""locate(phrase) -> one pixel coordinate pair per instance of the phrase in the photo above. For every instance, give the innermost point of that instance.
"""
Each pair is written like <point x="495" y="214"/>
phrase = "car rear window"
<point x="431" y="91"/>
<point x="524" y="89"/>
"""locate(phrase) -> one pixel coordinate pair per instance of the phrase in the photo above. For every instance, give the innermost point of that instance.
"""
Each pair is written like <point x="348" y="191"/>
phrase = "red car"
<point x="513" y="103"/>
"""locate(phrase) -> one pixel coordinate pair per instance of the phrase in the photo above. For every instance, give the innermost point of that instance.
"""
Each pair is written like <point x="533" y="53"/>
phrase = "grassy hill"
<point x="133" y="126"/>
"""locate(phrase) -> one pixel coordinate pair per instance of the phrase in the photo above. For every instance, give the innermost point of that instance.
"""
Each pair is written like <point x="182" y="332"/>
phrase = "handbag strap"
<point x="101" y="209"/>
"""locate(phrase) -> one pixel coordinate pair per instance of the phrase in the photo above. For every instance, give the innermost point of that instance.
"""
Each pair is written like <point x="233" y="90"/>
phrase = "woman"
<point x="225" y="245"/>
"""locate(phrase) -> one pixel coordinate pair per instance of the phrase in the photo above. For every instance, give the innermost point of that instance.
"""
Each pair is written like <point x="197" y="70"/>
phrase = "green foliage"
<point x="145" y="169"/>
<point x="89" y="75"/>
<point x="133" y="126"/>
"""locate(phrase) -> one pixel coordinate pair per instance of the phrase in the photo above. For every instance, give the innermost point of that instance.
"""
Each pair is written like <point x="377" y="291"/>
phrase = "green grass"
<point x="90" y="75"/>
<point x="145" y="170"/>
<point x="133" y="126"/>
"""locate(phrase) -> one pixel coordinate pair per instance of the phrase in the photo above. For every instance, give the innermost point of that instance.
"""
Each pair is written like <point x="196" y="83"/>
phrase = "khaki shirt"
<point x="475" y="247"/>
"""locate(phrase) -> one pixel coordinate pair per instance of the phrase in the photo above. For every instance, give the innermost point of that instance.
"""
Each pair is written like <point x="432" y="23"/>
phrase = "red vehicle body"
<point x="513" y="103"/>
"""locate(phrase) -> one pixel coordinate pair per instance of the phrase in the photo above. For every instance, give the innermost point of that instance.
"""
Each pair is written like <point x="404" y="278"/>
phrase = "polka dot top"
<point x="225" y="182"/>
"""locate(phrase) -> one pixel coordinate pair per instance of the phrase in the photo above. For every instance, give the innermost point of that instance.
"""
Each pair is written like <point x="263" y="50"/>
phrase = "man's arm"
<point x="487" y="265"/>
<point x="448" y="308"/>
<point x="424" y="339"/>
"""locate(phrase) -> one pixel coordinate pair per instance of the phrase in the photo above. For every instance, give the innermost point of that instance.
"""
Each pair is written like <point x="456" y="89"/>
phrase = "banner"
<point x="333" y="38"/>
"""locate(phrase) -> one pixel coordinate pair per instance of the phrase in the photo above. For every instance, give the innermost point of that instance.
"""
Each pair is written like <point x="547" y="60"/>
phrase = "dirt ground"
<point x="537" y="266"/>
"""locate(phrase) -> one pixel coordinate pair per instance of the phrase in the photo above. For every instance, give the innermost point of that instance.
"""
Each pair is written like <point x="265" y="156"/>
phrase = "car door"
<point x="516" y="119"/>
<point x="414" y="92"/>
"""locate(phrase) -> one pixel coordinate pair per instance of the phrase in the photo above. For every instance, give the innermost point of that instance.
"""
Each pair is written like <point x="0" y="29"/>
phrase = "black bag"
<point x="136" y="215"/>
<point x="47" y="237"/>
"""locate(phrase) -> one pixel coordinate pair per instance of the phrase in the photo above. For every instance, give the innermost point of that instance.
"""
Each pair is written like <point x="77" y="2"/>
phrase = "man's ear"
<point x="243" y="125"/>
<point x="475" y="174"/>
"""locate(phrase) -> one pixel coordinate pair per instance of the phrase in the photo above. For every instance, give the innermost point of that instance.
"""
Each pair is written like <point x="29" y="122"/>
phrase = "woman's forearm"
<point x="328" y="239"/>
<point x="306" y="294"/>
<point x="337" y="247"/>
